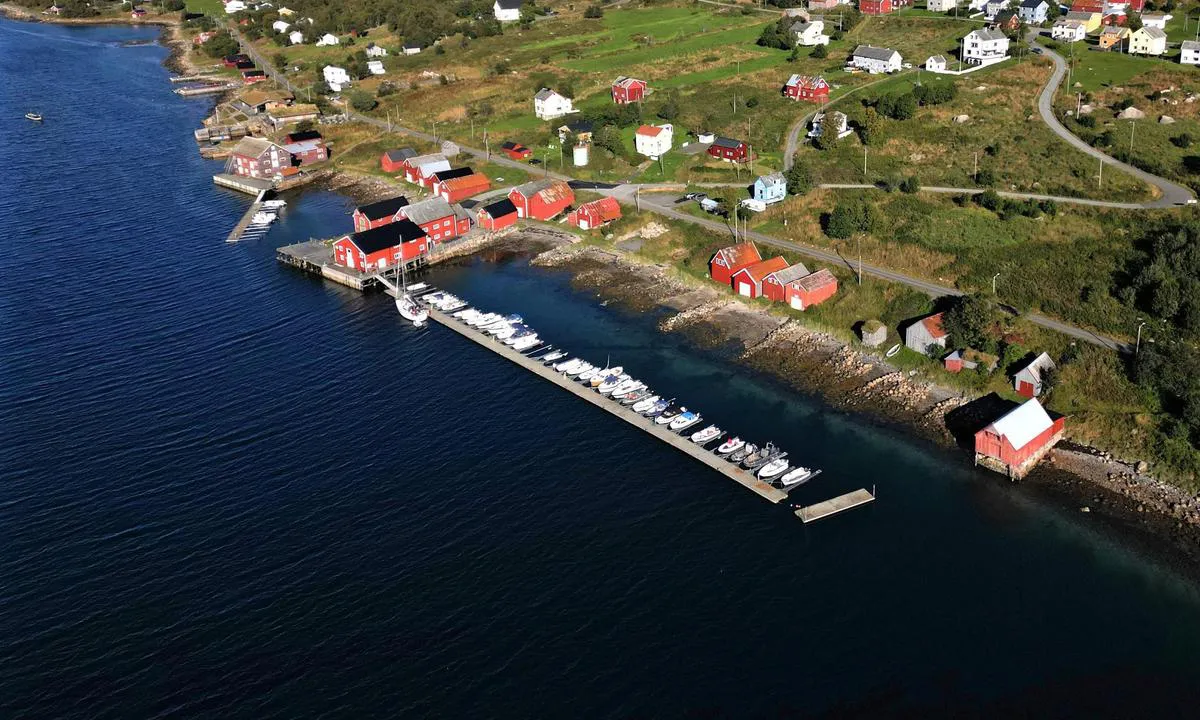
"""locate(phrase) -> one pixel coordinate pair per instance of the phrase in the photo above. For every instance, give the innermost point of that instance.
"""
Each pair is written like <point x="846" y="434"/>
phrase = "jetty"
<point x="742" y="477"/>
<point x="247" y="218"/>
<point x="206" y="89"/>
<point x="241" y="183"/>
<point x="836" y="505"/>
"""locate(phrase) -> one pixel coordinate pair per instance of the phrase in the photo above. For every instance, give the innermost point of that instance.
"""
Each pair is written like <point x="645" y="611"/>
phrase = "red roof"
<point x="475" y="182"/>
<point x="606" y="209"/>
<point x="649" y="130"/>
<point x="626" y="82"/>
<point x="760" y="270"/>
<point x="933" y="324"/>
<point x="739" y="255"/>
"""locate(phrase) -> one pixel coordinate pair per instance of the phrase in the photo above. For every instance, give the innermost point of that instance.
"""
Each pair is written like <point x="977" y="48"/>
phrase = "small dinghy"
<point x="706" y="435"/>
<point x="740" y="454"/>
<point x="772" y="469"/>
<point x="36" y="117"/>
<point x="641" y="406"/>
<point x="892" y="350"/>
<point x="797" y="476"/>
<point x="685" y="420"/>
<point x="731" y="445"/>
<point x="276" y="204"/>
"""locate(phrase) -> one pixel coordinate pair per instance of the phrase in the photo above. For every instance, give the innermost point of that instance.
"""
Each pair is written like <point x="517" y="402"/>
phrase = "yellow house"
<point x="1091" y="20"/>
<point x="1113" y="36"/>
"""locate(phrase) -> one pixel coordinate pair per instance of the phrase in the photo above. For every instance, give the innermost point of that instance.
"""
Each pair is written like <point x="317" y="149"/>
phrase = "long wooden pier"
<point x="236" y="233"/>
<point x="835" y="505"/>
<point x="729" y="470"/>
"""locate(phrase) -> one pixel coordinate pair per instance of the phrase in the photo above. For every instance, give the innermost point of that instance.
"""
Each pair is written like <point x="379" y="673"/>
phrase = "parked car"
<point x="695" y="196"/>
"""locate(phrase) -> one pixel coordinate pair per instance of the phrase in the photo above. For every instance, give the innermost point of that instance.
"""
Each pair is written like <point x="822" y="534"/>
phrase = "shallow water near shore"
<point x="230" y="489"/>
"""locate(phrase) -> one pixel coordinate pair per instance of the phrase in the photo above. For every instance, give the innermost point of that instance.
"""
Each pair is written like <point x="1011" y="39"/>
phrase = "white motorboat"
<point x="643" y="405"/>
<point x="626" y="387"/>
<point x="730" y="445"/>
<point x="608" y="372"/>
<point x="482" y="319"/>
<point x="504" y="333"/>
<point x="581" y="369"/>
<point x="277" y="204"/>
<point x="796" y="476"/>
<point x="611" y="383"/>
<point x="569" y="366"/>
<point x="685" y="420"/>
<point x="415" y="287"/>
<point x="263" y="218"/>
<point x="588" y="374"/>
<point x="632" y="398"/>
<point x="554" y="357"/>
<point x="526" y="342"/>
<point x="706" y="435"/>
<point x="669" y="413"/>
<point x="773" y="469"/>
<point x="657" y="409"/>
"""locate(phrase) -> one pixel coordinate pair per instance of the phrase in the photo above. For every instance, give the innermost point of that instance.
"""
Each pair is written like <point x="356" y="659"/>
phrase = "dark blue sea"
<point x="231" y="490"/>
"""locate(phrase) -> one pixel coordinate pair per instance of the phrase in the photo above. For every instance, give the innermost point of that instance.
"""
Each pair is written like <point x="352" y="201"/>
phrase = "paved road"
<point x="1172" y="194"/>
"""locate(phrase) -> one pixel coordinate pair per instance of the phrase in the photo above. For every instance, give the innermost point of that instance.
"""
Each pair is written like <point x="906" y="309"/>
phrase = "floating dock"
<point x="247" y="218"/>
<point x="241" y="183"/>
<point x="730" y="470"/>
<point x="834" y="506"/>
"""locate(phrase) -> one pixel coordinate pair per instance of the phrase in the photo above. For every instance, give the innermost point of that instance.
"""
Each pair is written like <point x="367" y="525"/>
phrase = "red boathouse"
<point x="729" y="260"/>
<point x="378" y="213"/>
<point x="748" y="282"/>
<point x="1016" y="442"/>
<point x="498" y="215"/>
<point x="379" y="248"/>
<point x="541" y="199"/>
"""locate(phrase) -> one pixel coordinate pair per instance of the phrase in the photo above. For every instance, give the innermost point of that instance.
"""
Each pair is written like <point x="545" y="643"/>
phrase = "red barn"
<point x="812" y="289"/>
<point x="378" y="213"/>
<point x="392" y="161"/>
<point x="1016" y="442"/>
<point x="379" y="248"/>
<point x="258" y="158"/>
<point x="590" y="216"/>
<point x="874" y="7"/>
<point x="419" y="169"/>
<point x="516" y="151"/>
<point x="748" y="282"/>
<point x="249" y="77"/>
<point x="461" y="188"/>
<point x="438" y="219"/>
<point x="730" y="150"/>
<point x="810" y="88"/>
<point x="729" y="260"/>
<point x="627" y="90"/>
<point x="498" y="215"/>
<point x="307" y="152"/>
<point x="775" y="285"/>
<point x="541" y="199"/>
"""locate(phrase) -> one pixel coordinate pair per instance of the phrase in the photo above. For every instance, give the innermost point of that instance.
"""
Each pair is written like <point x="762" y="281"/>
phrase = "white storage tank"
<point x="581" y="155"/>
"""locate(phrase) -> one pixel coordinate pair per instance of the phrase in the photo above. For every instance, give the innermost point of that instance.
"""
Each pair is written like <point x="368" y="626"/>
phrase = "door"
<point x="796" y="302"/>
<point x="1025" y="389"/>
<point x="745" y="289"/>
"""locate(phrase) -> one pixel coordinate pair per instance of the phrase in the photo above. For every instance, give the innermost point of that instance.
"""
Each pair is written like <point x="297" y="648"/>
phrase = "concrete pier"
<point x="834" y="506"/>
<point x="681" y="443"/>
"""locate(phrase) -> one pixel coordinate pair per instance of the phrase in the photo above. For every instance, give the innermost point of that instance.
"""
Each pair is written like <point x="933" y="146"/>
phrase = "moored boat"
<point x="740" y="454"/>
<point x="607" y="373"/>
<point x="772" y="469"/>
<point x="554" y="357"/>
<point x="706" y="435"/>
<point x="36" y="117"/>
<point x="685" y="420"/>
<point x="635" y="397"/>
<point x="730" y="445"/>
<point x="641" y="406"/>
<point x="657" y="408"/>
<point x="796" y="476"/>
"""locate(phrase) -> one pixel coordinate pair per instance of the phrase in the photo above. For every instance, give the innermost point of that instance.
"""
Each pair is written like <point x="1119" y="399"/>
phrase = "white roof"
<point x="1023" y="424"/>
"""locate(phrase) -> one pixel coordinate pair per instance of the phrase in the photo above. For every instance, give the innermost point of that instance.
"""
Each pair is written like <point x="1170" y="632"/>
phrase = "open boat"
<point x="589" y="374"/>
<point x="740" y="454"/>
<point x="797" y="476"/>
<point x="766" y="455"/>
<point x="670" y="413"/>
<point x="36" y="117"/>
<point x="685" y="420"/>
<point x="892" y="350"/>
<point x="773" y="469"/>
<point x="608" y="372"/>
<point x="635" y="397"/>
<point x="580" y="369"/>
<point x="730" y="445"/>
<point x="641" y="406"/>
<point x="657" y="408"/>
<point x="706" y="435"/>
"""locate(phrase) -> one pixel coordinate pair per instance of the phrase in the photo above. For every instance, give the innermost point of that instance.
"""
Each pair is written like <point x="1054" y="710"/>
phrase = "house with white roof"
<point x="234" y="6"/>
<point x="985" y="46"/>
<point x="375" y="67"/>
<point x="548" y="104"/>
<point x="335" y="77"/>
<point x="1147" y="40"/>
<point x="875" y="59"/>
<point x="327" y="40"/>
<point x="654" y="141"/>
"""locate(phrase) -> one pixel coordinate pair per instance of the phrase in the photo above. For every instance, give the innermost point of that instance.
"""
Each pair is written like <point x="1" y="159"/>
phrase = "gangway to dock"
<point x="236" y="233"/>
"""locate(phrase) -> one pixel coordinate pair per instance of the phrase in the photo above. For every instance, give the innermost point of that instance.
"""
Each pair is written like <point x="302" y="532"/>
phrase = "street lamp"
<point x="994" y="282"/>
<point x="1137" y="348"/>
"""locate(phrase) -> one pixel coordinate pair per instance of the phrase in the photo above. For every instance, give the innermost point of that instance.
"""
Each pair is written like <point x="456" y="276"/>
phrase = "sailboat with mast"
<point x="406" y="305"/>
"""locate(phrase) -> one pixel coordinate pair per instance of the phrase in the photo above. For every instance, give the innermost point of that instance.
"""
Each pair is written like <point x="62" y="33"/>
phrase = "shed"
<point x="775" y="284"/>
<point x="748" y="282"/>
<point x="457" y="189"/>
<point x="541" y="199"/>
<point x="392" y="161"/>
<point x="924" y="333"/>
<point x="596" y="213"/>
<point x="498" y="215"/>
<point x="811" y="289"/>
<point x="729" y="260"/>
<point x="1028" y="380"/>
<point x="1015" y="442"/>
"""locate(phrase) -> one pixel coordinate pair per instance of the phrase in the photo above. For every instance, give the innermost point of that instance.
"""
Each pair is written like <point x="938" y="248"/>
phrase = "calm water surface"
<point x="230" y="490"/>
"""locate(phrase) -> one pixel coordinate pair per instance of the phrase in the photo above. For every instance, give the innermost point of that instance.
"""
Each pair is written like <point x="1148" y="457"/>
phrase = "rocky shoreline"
<point x="1115" y="492"/>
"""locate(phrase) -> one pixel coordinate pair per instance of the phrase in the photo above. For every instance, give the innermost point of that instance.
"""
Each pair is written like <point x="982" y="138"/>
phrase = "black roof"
<point x="237" y="57"/>
<point x="383" y="208"/>
<point x="727" y="142"/>
<point x="510" y="4"/>
<point x="387" y="236"/>
<point x="252" y="73"/>
<point x="580" y="126"/>
<point x="246" y="64"/>
<point x="452" y="173"/>
<point x="400" y="154"/>
<point x="501" y="208"/>
<point x="303" y="135"/>
<point x="510" y="145"/>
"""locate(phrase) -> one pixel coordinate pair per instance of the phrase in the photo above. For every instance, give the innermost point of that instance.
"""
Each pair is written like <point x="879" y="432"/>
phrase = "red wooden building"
<point x="729" y="260"/>
<point x="438" y="219"/>
<point x="460" y="188"/>
<point x="748" y="282"/>
<point x="627" y="90"/>
<point x="799" y="288"/>
<point x="392" y="161"/>
<point x="231" y="61"/>
<point x="730" y="150"/>
<point x="249" y="77"/>
<point x="594" y="214"/>
<point x="1088" y="6"/>
<point x="1016" y="442"/>
<point x="378" y="213"/>
<point x="516" y="151"/>
<point x="775" y="284"/>
<point x="308" y="152"/>
<point x="541" y="199"/>
<point x="379" y="248"/>
<point x="419" y="169"/>
<point x="810" y="88"/>
<point x="498" y="215"/>
<point x="258" y="158"/>
<point x="874" y="7"/>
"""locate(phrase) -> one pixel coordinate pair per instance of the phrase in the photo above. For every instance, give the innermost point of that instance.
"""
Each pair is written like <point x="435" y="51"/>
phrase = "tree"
<point x="361" y="100"/>
<point x="827" y="140"/>
<point x="870" y="128"/>
<point x="220" y="45"/>
<point x="988" y="200"/>
<point x="279" y="60"/>
<point x="669" y="111"/>
<point x="799" y="178"/>
<point x="776" y="35"/>
<point x="968" y="320"/>
<point x="593" y="12"/>
<point x="848" y="218"/>
<point x="819" y="52"/>
<point x="910" y="185"/>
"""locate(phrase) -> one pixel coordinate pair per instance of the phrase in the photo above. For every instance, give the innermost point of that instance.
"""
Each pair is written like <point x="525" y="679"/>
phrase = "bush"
<point x="752" y="102"/>
<point x="1182" y="140"/>
<point x="820" y="52"/>
<point x="988" y="200"/>
<point x="848" y="218"/>
<point x="776" y="35"/>
<point x="361" y="100"/>
<point x="910" y="185"/>
<point x="985" y="178"/>
<point x="220" y="45"/>
<point x="593" y="12"/>
<point x="799" y="179"/>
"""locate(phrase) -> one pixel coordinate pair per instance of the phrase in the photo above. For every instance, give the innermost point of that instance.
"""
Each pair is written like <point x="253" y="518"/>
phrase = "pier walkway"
<point x="681" y="443"/>
<point x="236" y="233"/>
<point x="835" y="505"/>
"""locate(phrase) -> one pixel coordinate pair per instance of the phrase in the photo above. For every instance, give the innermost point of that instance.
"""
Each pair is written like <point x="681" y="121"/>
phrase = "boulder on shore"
<point x="1131" y="113"/>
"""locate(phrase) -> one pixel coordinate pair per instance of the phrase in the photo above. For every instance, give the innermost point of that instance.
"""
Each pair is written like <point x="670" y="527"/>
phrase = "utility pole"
<point x="1132" y="127"/>
<point x="975" y="172"/>
<point x="637" y="197"/>
<point x="859" y="244"/>
<point x="1137" y="348"/>
<point x="994" y="282"/>
<point x="1100" y="177"/>
<point x="864" y="161"/>
<point x="487" y="148"/>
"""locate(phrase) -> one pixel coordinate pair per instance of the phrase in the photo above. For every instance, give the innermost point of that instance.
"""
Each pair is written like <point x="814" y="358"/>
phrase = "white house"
<point x="1155" y="20"/>
<point x="376" y="51"/>
<point x="985" y="46"/>
<point x="1190" y="52"/>
<point x="809" y="34"/>
<point x="1068" y="30"/>
<point x="328" y="39"/>
<point x="833" y="122"/>
<point x="941" y="5"/>
<point x="375" y="67"/>
<point x="1033" y="12"/>
<point x="280" y="26"/>
<point x="549" y="105"/>
<point x="875" y="59"/>
<point x="1147" y="40"/>
<point x="336" y="78"/>
<point x="936" y="63"/>
<point x="296" y="38"/>
<point x="411" y="48"/>
<point x="993" y="8"/>
<point x="653" y="140"/>
<point x="507" y="10"/>
<point x="234" y="6"/>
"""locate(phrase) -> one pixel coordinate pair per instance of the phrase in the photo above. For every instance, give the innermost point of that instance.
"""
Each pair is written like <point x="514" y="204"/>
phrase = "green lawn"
<point x="213" y="8"/>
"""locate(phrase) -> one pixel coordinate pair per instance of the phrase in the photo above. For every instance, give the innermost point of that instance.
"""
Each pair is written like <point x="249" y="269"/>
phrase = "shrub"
<point x="1182" y="140"/>
<point x="848" y="218"/>
<point x="593" y="11"/>
<point x="799" y="178"/>
<point x="819" y="52"/>
<point x="361" y="100"/>
<point x="1086" y="121"/>
<point x="985" y="178"/>
<point x="910" y="185"/>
